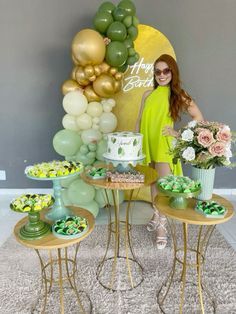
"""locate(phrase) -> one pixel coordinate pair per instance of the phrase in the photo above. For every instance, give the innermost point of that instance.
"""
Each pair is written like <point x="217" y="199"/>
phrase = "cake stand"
<point x="124" y="166"/>
<point x="178" y="200"/>
<point x="34" y="228"/>
<point x="58" y="209"/>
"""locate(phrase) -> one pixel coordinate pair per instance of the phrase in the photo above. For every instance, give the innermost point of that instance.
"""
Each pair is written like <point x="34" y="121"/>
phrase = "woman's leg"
<point x="153" y="223"/>
<point x="163" y="169"/>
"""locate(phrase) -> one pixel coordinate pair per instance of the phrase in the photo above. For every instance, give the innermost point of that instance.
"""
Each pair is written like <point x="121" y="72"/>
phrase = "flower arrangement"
<point x="204" y="144"/>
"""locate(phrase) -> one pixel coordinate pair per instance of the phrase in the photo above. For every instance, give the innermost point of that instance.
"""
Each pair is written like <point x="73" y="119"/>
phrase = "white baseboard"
<point x="24" y="191"/>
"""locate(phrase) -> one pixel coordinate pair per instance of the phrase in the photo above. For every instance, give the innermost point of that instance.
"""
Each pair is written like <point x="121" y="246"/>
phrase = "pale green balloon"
<point x="65" y="198"/>
<point x="65" y="183"/>
<point x="110" y="197"/>
<point x="92" y="207"/>
<point x="100" y="197"/>
<point x="80" y="192"/>
<point x="66" y="142"/>
<point x="84" y="158"/>
<point x="101" y="149"/>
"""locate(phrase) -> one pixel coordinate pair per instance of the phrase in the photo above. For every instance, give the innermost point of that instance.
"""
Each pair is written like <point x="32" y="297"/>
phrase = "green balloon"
<point x="102" y="20"/>
<point x="80" y="192"/>
<point x="116" y="54"/>
<point x="67" y="142"/>
<point x="128" y="42"/>
<point x="128" y="20"/>
<point x="123" y="68"/>
<point x="84" y="149"/>
<point x="65" y="183"/>
<point x="133" y="59"/>
<point x="133" y="32"/>
<point x="131" y="52"/>
<point x="106" y="6"/>
<point x="101" y="149"/>
<point x="135" y="21"/>
<point x="84" y="159"/>
<point x="119" y="14"/>
<point x="92" y="207"/>
<point x="100" y="198"/>
<point x="65" y="199"/>
<point x="128" y="6"/>
<point x="92" y="147"/>
<point x="117" y="31"/>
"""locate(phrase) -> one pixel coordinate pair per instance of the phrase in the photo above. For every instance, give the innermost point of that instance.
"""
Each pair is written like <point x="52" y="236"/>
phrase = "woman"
<point x="159" y="109"/>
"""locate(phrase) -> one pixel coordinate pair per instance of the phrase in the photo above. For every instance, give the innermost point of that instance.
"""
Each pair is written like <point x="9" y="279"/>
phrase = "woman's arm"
<point x="194" y="112"/>
<point x="138" y="121"/>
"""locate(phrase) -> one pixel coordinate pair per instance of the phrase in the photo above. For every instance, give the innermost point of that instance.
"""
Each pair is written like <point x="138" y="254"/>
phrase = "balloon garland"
<point x="100" y="57"/>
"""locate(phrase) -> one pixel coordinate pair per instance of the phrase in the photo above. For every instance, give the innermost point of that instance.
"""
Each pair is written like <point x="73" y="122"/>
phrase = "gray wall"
<point x="35" y="39"/>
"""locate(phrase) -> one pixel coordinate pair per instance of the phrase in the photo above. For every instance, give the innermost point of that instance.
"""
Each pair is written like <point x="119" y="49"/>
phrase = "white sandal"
<point x="153" y="223"/>
<point x="161" y="241"/>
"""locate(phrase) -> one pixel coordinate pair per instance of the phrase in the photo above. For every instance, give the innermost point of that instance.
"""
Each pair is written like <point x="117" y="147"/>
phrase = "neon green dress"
<point x="155" y="117"/>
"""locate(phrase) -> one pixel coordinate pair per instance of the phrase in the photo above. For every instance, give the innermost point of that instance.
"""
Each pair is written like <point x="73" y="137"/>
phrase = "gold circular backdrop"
<point x="138" y="78"/>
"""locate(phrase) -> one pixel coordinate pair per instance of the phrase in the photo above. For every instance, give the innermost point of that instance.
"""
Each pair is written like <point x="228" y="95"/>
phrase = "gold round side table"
<point x="113" y="265"/>
<point x="60" y="266"/>
<point x="189" y="255"/>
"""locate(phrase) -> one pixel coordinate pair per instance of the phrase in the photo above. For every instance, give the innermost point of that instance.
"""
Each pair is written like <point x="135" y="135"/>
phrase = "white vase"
<point x="206" y="177"/>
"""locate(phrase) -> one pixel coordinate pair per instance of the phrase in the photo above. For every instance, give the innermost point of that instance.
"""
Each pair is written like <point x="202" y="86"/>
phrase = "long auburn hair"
<point x="179" y="99"/>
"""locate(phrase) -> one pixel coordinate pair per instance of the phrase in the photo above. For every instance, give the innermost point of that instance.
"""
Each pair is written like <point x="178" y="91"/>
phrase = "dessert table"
<point x="189" y="254"/>
<point x="60" y="265"/>
<point x="109" y="271"/>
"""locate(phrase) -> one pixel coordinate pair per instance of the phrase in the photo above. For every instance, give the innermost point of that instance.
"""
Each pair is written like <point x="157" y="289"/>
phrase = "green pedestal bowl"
<point x="178" y="200"/>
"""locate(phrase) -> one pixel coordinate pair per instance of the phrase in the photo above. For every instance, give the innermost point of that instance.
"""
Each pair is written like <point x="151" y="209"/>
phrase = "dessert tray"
<point x="211" y="209"/>
<point x="179" y="188"/>
<point x="70" y="227"/>
<point x="97" y="173"/>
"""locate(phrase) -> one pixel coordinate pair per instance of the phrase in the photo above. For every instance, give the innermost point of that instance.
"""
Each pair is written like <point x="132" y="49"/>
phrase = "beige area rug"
<point x="20" y="278"/>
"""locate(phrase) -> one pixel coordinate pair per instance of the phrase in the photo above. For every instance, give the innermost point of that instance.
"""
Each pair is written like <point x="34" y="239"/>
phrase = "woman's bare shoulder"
<point x="147" y="93"/>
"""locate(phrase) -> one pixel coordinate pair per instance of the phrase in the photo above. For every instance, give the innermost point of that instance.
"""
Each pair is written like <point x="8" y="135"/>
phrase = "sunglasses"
<point x="165" y="71"/>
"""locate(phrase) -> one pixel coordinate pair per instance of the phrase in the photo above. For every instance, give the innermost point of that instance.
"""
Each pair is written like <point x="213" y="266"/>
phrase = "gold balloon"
<point x="80" y="77"/>
<point x="88" y="47"/>
<point x="118" y="76"/>
<point x="89" y="71"/>
<point x="104" y="67"/>
<point x="70" y="86"/>
<point x="113" y="71"/>
<point x="90" y="94"/>
<point x="73" y="72"/>
<point x="92" y="78"/>
<point x="75" y="61"/>
<point x="97" y="70"/>
<point x="118" y="85"/>
<point x="104" y="85"/>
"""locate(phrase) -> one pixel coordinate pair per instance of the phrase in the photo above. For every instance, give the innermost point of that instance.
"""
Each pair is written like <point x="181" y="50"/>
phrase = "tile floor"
<point x="141" y="212"/>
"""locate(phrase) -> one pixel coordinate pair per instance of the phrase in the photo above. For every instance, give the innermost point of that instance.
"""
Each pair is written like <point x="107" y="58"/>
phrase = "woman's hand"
<point x="169" y="131"/>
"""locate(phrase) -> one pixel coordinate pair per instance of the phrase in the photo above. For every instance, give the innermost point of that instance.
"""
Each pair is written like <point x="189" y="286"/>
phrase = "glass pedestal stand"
<point x="34" y="228"/>
<point x="58" y="209"/>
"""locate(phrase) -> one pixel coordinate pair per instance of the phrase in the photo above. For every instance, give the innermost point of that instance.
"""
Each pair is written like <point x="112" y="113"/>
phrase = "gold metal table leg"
<point x="115" y="228"/>
<point x="203" y="237"/>
<point x="65" y="273"/>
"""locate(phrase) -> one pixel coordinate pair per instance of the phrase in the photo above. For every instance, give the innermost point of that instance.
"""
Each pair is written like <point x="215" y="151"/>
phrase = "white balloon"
<point x="107" y="107"/>
<point x="94" y="109"/>
<point x="95" y="120"/>
<point x="111" y="101"/>
<point x="84" y="121"/>
<point x="91" y="136"/>
<point x="69" y="122"/>
<point x="95" y="126"/>
<point x="75" y="103"/>
<point x="108" y="122"/>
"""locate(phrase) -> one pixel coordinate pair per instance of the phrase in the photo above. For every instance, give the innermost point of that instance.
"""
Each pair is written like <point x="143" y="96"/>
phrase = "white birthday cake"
<point x="124" y="146"/>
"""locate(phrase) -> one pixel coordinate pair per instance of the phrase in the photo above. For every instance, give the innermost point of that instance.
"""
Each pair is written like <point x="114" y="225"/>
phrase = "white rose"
<point x="228" y="153"/>
<point x="192" y="124"/>
<point x="189" y="154"/>
<point x="174" y="142"/>
<point x="187" y="135"/>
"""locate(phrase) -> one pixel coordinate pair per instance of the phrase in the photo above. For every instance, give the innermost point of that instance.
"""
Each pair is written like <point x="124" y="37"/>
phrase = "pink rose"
<point x="217" y="149"/>
<point x="205" y="138"/>
<point x="223" y="135"/>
